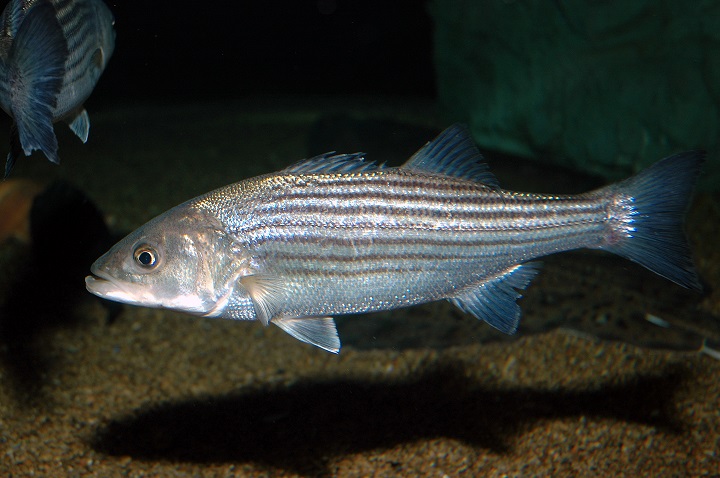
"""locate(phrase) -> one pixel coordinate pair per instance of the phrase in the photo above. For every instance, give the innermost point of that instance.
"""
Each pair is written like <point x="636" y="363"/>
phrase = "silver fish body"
<point x="52" y="53"/>
<point x="338" y="235"/>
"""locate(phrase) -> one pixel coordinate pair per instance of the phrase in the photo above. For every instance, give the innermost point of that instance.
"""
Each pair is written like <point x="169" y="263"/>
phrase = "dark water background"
<point x="202" y="94"/>
<point x="184" y="49"/>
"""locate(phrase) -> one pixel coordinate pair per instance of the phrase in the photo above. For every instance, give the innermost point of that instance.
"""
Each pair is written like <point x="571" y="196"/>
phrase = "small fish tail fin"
<point x="36" y="68"/>
<point x="646" y="215"/>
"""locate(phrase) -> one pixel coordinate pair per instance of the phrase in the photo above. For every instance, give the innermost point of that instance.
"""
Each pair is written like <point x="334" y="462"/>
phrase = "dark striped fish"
<point x="337" y="235"/>
<point x="52" y="53"/>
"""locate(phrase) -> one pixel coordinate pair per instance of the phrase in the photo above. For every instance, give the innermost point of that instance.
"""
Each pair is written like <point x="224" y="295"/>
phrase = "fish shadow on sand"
<point x="299" y="427"/>
<point x="68" y="232"/>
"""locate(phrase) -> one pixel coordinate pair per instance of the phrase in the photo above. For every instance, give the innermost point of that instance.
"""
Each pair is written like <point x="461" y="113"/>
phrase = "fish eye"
<point x="146" y="256"/>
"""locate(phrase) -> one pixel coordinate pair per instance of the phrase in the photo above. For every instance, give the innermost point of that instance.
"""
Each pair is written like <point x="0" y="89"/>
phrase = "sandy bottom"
<point x="92" y="390"/>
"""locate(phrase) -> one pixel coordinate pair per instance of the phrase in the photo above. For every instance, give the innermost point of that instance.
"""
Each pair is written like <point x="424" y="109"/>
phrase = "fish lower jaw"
<point x="109" y="290"/>
<point x="138" y="295"/>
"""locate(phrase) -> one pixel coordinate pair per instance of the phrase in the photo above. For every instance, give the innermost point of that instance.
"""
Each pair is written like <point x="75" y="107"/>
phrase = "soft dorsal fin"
<point x="453" y="153"/>
<point x="333" y="163"/>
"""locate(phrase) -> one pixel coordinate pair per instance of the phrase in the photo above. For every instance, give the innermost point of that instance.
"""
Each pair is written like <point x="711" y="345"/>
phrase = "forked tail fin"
<point x="647" y="215"/>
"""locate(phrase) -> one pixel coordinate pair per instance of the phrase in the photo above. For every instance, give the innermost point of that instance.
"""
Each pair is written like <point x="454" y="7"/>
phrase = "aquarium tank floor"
<point x="587" y="387"/>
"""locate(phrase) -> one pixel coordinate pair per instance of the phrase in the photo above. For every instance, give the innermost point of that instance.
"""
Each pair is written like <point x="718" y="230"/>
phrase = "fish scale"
<point x="353" y="247"/>
<point x="335" y="235"/>
<point x="459" y="200"/>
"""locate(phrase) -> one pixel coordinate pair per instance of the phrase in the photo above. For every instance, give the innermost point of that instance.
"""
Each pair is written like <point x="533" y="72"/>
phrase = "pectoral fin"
<point x="494" y="300"/>
<point x="267" y="295"/>
<point x="318" y="331"/>
<point x="98" y="59"/>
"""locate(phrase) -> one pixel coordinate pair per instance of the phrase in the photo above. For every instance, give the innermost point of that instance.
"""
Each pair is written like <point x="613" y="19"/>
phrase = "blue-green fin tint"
<point x="16" y="14"/>
<point x="453" y="153"/>
<point x="659" y="197"/>
<point x="331" y="163"/>
<point x="15" y="149"/>
<point x="37" y="63"/>
<point x="494" y="300"/>
<point x="80" y="124"/>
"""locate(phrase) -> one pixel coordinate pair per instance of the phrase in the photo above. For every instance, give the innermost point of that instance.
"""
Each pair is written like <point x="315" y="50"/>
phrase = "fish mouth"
<point x="99" y="286"/>
<point x="103" y="285"/>
<point x="108" y="287"/>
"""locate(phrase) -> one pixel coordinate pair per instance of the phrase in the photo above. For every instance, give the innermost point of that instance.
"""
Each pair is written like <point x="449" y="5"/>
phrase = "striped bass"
<point x="335" y="234"/>
<point x="52" y="53"/>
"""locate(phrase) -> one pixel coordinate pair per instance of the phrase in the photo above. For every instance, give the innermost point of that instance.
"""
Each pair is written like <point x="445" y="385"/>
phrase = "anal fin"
<point x="494" y="300"/>
<point x="318" y="331"/>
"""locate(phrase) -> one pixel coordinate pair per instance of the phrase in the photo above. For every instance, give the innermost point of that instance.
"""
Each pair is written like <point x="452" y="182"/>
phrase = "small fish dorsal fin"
<point x="453" y="153"/>
<point x="333" y="163"/>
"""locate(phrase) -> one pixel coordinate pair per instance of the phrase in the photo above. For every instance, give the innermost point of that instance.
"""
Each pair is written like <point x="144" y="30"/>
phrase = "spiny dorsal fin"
<point x="333" y="163"/>
<point x="318" y="331"/>
<point x="453" y="153"/>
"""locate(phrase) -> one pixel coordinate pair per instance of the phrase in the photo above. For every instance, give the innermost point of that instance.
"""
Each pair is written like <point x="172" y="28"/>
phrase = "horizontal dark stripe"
<point x="373" y="257"/>
<point x="394" y="220"/>
<point x="299" y="247"/>
<point x="349" y="273"/>
<point x="478" y="201"/>
<point x="379" y="229"/>
<point x="393" y="180"/>
<point x="343" y="203"/>
<point x="398" y="216"/>
<point x="390" y="196"/>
